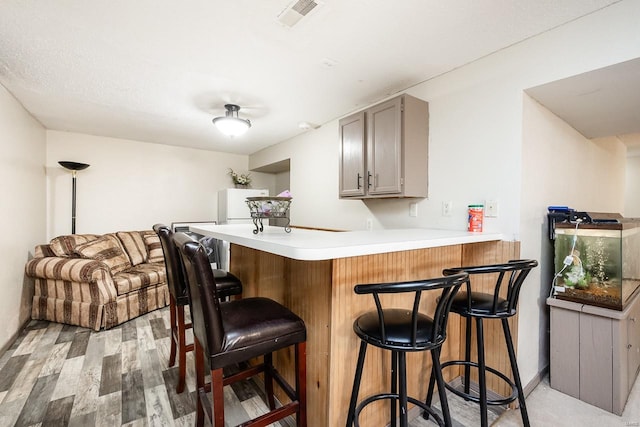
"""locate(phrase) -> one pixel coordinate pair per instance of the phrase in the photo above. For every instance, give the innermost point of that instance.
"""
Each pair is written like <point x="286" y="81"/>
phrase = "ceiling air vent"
<point x="296" y="11"/>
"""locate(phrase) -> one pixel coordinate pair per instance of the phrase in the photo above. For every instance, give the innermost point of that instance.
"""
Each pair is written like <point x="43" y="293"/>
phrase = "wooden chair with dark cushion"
<point x="228" y="285"/>
<point x="229" y="333"/>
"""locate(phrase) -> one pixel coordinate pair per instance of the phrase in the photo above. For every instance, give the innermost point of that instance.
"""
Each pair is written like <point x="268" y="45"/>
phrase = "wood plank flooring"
<point x="61" y="375"/>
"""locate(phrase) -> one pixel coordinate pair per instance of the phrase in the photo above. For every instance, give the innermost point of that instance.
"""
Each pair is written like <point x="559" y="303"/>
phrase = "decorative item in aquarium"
<point x="576" y="276"/>
<point x="240" y="179"/>
<point x="269" y="208"/>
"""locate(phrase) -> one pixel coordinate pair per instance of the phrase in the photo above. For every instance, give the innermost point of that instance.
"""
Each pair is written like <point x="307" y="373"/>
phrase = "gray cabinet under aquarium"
<point x="595" y="351"/>
<point x="597" y="264"/>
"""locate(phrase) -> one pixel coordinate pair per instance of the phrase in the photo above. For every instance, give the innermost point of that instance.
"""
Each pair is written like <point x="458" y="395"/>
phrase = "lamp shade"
<point x="73" y="166"/>
<point x="230" y="124"/>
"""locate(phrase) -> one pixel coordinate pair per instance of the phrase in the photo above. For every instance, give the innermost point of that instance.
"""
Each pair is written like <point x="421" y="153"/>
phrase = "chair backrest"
<point x="515" y="270"/>
<point x="175" y="277"/>
<point x="448" y="285"/>
<point x="206" y="316"/>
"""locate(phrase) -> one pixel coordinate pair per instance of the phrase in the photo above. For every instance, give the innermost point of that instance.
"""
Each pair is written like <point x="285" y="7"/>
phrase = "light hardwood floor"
<point x="60" y="375"/>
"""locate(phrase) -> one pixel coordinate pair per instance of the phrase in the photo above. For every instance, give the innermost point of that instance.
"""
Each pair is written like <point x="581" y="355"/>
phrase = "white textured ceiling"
<point x="160" y="70"/>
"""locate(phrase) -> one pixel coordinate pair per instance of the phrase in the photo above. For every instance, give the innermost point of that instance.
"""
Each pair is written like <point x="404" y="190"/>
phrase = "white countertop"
<point x="314" y="245"/>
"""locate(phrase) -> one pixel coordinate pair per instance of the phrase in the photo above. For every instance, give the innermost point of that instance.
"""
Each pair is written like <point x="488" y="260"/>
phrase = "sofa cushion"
<point x="43" y="251"/>
<point x="154" y="247"/>
<point x="138" y="277"/>
<point x="64" y="246"/>
<point x="134" y="246"/>
<point x="106" y="249"/>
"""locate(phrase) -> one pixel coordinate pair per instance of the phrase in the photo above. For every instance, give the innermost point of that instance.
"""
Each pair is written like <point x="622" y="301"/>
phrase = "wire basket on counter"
<point x="268" y="207"/>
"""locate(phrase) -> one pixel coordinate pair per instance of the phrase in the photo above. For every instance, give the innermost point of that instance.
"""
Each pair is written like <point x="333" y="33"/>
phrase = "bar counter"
<point x="313" y="273"/>
<point x="315" y="245"/>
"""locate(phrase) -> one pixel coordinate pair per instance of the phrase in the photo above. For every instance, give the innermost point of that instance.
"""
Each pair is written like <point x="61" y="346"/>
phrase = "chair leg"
<point x="182" y="349"/>
<point x="268" y="380"/>
<point x="516" y="372"/>
<point x="199" y="356"/>
<point x="432" y="382"/>
<point x="174" y="330"/>
<point x="217" y="395"/>
<point x="301" y="383"/>
<point x="402" y="392"/>
<point x="442" y="392"/>
<point x="356" y="384"/>
<point x="467" y="357"/>
<point x="394" y="387"/>
<point x="482" y="374"/>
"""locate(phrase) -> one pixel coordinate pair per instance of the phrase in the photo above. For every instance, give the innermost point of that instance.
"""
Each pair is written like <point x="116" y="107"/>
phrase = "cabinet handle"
<point x="368" y="179"/>
<point x="629" y="346"/>
<point x="359" y="178"/>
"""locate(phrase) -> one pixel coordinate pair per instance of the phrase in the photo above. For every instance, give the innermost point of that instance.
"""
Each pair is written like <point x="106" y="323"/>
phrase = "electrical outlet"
<point x="368" y="224"/>
<point x="413" y="209"/>
<point x="447" y="208"/>
<point x="491" y="208"/>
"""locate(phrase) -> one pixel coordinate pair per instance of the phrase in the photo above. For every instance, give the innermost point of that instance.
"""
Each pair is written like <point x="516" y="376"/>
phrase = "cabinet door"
<point x="352" y="156"/>
<point x="633" y="347"/>
<point x="384" y="145"/>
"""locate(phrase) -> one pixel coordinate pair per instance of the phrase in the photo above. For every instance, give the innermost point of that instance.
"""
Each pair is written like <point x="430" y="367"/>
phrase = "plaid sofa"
<point x="98" y="281"/>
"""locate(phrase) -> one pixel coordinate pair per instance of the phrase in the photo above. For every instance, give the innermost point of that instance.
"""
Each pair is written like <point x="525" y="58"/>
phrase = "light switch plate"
<point x="447" y="208"/>
<point x="413" y="209"/>
<point x="491" y="208"/>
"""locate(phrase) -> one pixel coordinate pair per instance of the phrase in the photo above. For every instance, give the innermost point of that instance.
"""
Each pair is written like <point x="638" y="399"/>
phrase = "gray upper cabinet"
<point x="352" y="156"/>
<point x="384" y="150"/>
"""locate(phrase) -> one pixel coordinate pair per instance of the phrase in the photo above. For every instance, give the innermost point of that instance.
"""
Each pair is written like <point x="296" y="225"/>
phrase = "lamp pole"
<point x="74" y="167"/>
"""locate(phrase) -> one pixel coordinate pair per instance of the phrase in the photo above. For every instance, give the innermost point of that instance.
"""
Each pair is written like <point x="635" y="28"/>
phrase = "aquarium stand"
<point x="269" y="208"/>
<point x="595" y="352"/>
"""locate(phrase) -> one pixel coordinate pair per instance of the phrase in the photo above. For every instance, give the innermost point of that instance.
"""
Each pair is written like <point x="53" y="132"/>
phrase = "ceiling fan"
<point x="232" y="115"/>
<point x="231" y="124"/>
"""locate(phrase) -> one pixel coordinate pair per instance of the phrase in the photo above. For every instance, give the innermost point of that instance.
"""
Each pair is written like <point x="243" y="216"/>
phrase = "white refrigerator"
<point x="233" y="209"/>
<point x="232" y="206"/>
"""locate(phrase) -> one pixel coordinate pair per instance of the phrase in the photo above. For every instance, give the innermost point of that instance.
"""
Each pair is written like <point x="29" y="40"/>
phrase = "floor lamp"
<point x="74" y="167"/>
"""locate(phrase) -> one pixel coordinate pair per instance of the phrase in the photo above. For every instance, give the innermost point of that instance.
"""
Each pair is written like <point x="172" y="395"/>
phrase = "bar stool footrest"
<point x="474" y="398"/>
<point x="395" y="396"/>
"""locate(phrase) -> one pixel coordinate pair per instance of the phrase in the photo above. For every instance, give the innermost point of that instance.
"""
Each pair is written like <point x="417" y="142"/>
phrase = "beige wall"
<point x="476" y="151"/>
<point x="313" y="180"/>
<point x="562" y="167"/>
<point x="132" y="185"/>
<point x="22" y="210"/>
<point x="632" y="189"/>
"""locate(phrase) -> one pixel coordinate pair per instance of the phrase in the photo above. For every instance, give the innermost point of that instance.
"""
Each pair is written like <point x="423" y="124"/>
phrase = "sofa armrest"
<point x="71" y="269"/>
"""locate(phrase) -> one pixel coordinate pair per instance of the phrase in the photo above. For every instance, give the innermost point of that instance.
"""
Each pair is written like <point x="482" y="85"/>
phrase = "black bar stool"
<point x="402" y="331"/>
<point x="227" y="284"/>
<point x="480" y="306"/>
<point x="228" y="333"/>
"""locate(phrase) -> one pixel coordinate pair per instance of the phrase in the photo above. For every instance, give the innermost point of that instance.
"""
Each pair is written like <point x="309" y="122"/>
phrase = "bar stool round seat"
<point x="402" y="331"/>
<point x="480" y="306"/>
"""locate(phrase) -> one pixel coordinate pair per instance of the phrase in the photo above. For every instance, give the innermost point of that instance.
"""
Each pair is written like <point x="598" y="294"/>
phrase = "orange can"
<point x="476" y="217"/>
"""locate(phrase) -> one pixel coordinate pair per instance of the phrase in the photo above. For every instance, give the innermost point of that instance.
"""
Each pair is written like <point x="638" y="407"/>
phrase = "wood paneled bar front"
<point x="313" y="273"/>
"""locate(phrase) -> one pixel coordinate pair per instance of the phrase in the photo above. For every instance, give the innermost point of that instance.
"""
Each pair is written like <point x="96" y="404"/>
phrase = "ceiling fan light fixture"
<point x="230" y="124"/>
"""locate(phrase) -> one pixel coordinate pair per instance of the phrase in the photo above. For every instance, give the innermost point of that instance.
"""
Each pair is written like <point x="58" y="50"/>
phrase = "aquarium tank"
<point x="597" y="264"/>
